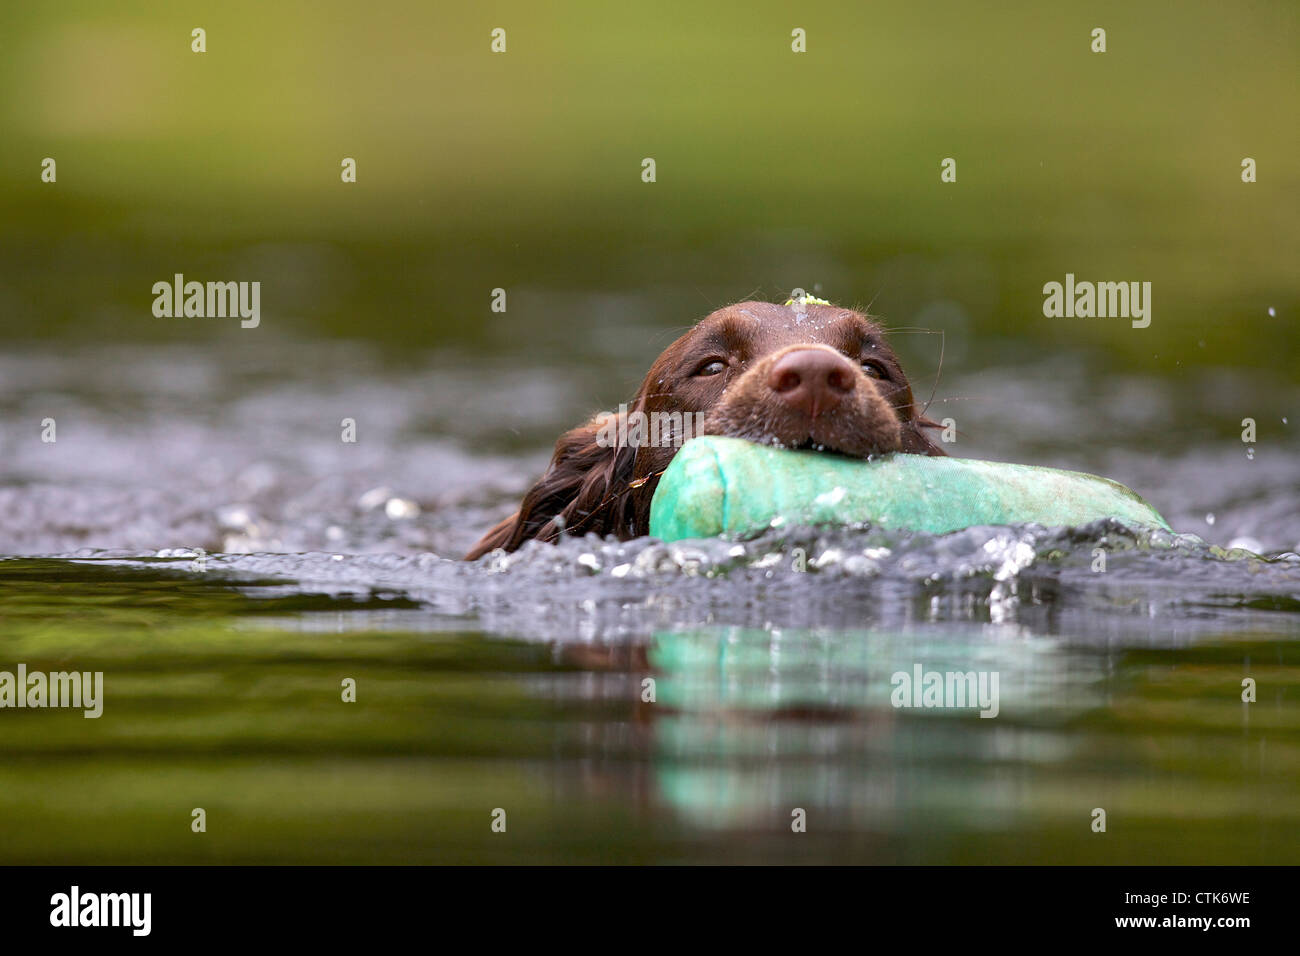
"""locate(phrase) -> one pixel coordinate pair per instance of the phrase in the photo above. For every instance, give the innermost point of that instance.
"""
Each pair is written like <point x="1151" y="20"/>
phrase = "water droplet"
<point x="398" y="508"/>
<point x="373" y="498"/>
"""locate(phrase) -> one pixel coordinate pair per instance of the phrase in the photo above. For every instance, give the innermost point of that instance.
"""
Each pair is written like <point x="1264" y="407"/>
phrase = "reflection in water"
<point x="223" y="687"/>
<point x="751" y="726"/>
<point x="755" y="723"/>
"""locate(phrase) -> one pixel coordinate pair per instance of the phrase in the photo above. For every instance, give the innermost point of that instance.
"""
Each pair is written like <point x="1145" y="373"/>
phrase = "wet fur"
<point x="607" y="490"/>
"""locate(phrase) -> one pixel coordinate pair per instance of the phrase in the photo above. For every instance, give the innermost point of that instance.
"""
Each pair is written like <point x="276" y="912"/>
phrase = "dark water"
<point x="518" y="682"/>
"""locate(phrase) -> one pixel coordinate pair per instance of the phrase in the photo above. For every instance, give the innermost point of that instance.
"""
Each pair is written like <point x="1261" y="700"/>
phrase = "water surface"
<point x="200" y="533"/>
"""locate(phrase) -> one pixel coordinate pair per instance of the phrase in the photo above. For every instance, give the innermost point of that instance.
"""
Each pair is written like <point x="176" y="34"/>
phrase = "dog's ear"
<point x="917" y="442"/>
<point x="583" y="490"/>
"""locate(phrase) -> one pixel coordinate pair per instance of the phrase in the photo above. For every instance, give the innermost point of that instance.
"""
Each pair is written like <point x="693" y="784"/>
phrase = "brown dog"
<point x="795" y="376"/>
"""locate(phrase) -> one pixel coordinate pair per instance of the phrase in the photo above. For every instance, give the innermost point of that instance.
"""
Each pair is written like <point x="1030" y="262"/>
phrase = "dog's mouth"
<point x="857" y="451"/>
<point x="859" y="440"/>
<point x="812" y="444"/>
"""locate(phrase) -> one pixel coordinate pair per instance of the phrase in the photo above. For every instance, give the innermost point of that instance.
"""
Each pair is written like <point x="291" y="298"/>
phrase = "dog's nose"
<point x="812" y="380"/>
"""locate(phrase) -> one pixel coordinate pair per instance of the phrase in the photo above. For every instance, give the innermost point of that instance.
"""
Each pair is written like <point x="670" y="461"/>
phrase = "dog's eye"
<point x="873" y="369"/>
<point x="714" y="367"/>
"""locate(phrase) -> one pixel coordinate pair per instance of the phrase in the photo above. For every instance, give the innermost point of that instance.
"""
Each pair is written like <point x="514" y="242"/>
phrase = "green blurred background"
<point x="522" y="170"/>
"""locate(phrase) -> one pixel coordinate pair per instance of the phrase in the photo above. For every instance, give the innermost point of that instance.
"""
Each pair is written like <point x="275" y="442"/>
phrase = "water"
<point x="200" y="533"/>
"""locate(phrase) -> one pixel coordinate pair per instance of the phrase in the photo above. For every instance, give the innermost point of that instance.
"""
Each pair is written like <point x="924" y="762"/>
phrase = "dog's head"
<point x="802" y="375"/>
